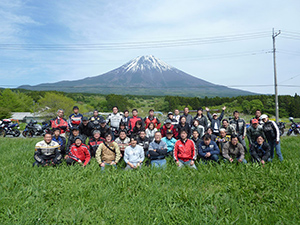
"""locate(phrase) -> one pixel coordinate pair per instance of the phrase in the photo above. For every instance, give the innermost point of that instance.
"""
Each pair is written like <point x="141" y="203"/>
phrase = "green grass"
<point x="214" y="194"/>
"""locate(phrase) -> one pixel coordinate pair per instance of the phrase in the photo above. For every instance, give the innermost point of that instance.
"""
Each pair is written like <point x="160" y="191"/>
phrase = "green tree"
<point x="117" y="100"/>
<point x="51" y="102"/>
<point x="4" y="113"/>
<point x="15" y="101"/>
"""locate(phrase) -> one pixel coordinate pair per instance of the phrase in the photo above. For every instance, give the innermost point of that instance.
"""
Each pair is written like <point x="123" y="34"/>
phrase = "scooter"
<point x="295" y="127"/>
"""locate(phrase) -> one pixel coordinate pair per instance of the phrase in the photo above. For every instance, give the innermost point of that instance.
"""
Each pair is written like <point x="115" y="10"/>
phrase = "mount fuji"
<point x="144" y="75"/>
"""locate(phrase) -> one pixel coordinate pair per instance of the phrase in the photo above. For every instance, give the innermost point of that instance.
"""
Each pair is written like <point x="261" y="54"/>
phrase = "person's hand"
<point x="177" y="163"/>
<point x="102" y="164"/>
<point x="239" y="160"/>
<point x="83" y="165"/>
<point x="112" y="163"/>
<point x="66" y="156"/>
<point x="263" y="162"/>
<point x="277" y="142"/>
<point x="224" y="108"/>
<point x="137" y="165"/>
<point x="243" y="137"/>
<point x="207" y="109"/>
<point x="231" y="160"/>
<point x="192" y="162"/>
<point x="207" y="155"/>
<point x="79" y="161"/>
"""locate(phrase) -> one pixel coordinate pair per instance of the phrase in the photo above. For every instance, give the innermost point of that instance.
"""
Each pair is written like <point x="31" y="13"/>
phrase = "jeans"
<point x="243" y="142"/>
<point x="187" y="163"/>
<point x="129" y="167"/>
<point x="273" y="145"/>
<point x="159" y="163"/>
<point x="108" y="164"/>
<point x="213" y="157"/>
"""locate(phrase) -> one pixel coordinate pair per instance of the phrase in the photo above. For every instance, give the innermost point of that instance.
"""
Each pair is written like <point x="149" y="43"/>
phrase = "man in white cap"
<point x="272" y="134"/>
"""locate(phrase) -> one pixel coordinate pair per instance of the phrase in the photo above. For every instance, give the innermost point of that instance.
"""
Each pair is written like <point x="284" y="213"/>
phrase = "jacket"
<point x="260" y="152"/>
<point x="96" y="121"/>
<point x="132" y="121"/>
<point x="86" y="130"/>
<point x="62" y="143"/>
<point x="271" y="131"/>
<point x="164" y="130"/>
<point x="114" y="120"/>
<point x="230" y="130"/>
<point x="45" y="152"/>
<point x="239" y="126"/>
<point x="94" y="144"/>
<point x="134" y="155"/>
<point x="80" y="153"/>
<point x="60" y="123"/>
<point x="231" y="151"/>
<point x="222" y="141"/>
<point x="200" y="130"/>
<point x="157" y="150"/>
<point x="150" y="133"/>
<point x="184" y="150"/>
<point x="202" y="121"/>
<point x="71" y="141"/>
<point x="170" y="143"/>
<point x="75" y="119"/>
<point x="212" y="148"/>
<point x="154" y="120"/>
<point x="215" y="123"/>
<point x="144" y="143"/>
<point x="196" y="142"/>
<point x="123" y="143"/>
<point x="252" y="133"/>
<point x="104" y="154"/>
<point x="186" y="127"/>
<point x="189" y="119"/>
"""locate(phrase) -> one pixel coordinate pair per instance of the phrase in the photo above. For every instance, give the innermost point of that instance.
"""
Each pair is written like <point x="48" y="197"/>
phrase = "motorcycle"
<point x="281" y="126"/>
<point x="295" y="127"/>
<point x="7" y="127"/>
<point x="35" y="129"/>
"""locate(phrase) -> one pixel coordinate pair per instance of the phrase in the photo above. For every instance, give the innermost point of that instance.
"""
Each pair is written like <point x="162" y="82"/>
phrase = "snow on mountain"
<point x="144" y="64"/>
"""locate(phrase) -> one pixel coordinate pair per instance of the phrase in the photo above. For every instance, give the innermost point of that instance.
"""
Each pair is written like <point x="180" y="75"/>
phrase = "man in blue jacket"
<point x="157" y="151"/>
<point x="208" y="149"/>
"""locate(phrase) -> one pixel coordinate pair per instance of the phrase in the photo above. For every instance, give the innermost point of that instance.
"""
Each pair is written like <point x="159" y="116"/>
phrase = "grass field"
<point x="214" y="194"/>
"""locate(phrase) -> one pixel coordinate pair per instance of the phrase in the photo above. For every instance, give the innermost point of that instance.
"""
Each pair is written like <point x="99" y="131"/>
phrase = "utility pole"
<point x="274" y="35"/>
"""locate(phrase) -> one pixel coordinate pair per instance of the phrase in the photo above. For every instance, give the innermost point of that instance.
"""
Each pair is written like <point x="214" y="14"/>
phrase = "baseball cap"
<point x="170" y="113"/>
<point x="254" y="121"/>
<point x="169" y="131"/>
<point x="85" y="118"/>
<point x="168" y="121"/>
<point x="215" y="114"/>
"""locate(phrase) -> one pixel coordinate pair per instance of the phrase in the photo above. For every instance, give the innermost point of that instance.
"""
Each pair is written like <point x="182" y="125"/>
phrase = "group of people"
<point x="138" y="140"/>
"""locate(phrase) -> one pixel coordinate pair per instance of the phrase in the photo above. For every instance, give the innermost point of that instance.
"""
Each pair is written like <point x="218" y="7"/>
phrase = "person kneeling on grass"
<point x="234" y="150"/>
<point x="157" y="151"/>
<point x="185" y="151"/>
<point x="108" y="153"/>
<point x="78" y="153"/>
<point x="133" y="155"/>
<point x="208" y="149"/>
<point x="170" y="141"/>
<point x="260" y="150"/>
<point x="47" y="152"/>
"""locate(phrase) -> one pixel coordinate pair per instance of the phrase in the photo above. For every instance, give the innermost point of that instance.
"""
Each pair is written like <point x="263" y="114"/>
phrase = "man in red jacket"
<point x="185" y="151"/>
<point x="168" y="126"/>
<point x="152" y="119"/>
<point x="78" y="153"/>
<point x="132" y="120"/>
<point x="60" y="122"/>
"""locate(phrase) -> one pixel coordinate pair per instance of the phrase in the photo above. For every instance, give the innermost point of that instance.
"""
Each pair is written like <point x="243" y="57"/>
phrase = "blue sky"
<point x="27" y="25"/>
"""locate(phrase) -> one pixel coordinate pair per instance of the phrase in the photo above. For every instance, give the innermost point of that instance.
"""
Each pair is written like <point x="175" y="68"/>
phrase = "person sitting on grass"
<point x="71" y="140"/>
<point x="78" y="153"/>
<point x="183" y="125"/>
<point x="185" y="151"/>
<point x="138" y="127"/>
<point x="222" y="139"/>
<point x="157" y="151"/>
<point x="253" y="131"/>
<point x="234" y="150"/>
<point x="260" y="150"/>
<point x="94" y="142"/>
<point x="170" y="141"/>
<point x="208" y="149"/>
<point x="209" y="131"/>
<point x="123" y="141"/>
<point x="47" y="152"/>
<point x="133" y="155"/>
<point x="60" y="140"/>
<point x="143" y="141"/>
<point x="108" y="153"/>
<point x="122" y="127"/>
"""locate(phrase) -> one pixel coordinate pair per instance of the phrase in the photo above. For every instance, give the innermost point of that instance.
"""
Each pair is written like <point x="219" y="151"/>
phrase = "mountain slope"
<point x="144" y="75"/>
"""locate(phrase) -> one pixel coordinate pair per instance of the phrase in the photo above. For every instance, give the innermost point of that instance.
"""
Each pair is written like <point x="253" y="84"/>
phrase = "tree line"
<point x="47" y="102"/>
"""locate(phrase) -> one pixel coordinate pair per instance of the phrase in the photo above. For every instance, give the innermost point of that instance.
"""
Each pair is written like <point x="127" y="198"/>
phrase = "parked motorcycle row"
<point x="8" y="127"/>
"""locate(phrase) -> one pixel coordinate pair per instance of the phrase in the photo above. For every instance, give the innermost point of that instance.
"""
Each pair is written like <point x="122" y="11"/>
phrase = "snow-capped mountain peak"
<point x="146" y="63"/>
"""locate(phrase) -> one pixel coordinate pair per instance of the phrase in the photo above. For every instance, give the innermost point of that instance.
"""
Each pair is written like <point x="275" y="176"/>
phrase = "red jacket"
<point x="80" y="153"/>
<point x="184" y="150"/>
<point x="164" y="129"/>
<point x="154" y="120"/>
<point x="132" y="121"/>
<point x="60" y="123"/>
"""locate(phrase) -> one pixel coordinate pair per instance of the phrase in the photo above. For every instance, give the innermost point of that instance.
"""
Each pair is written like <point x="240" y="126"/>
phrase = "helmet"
<point x="291" y="118"/>
<point x="263" y="116"/>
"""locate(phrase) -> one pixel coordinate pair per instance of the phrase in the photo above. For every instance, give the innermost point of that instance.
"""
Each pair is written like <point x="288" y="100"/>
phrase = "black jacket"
<point x="202" y="121"/>
<point x="86" y="130"/>
<point x="260" y="152"/>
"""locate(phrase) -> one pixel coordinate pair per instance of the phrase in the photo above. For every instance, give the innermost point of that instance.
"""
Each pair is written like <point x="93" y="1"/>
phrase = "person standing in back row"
<point x="152" y="119"/>
<point x="240" y="128"/>
<point x="201" y="118"/>
<point x="114" y="119"/>
<point x="215" y="120"/>
<point x="189" y="118"/>
<point x="132" y="120"/>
